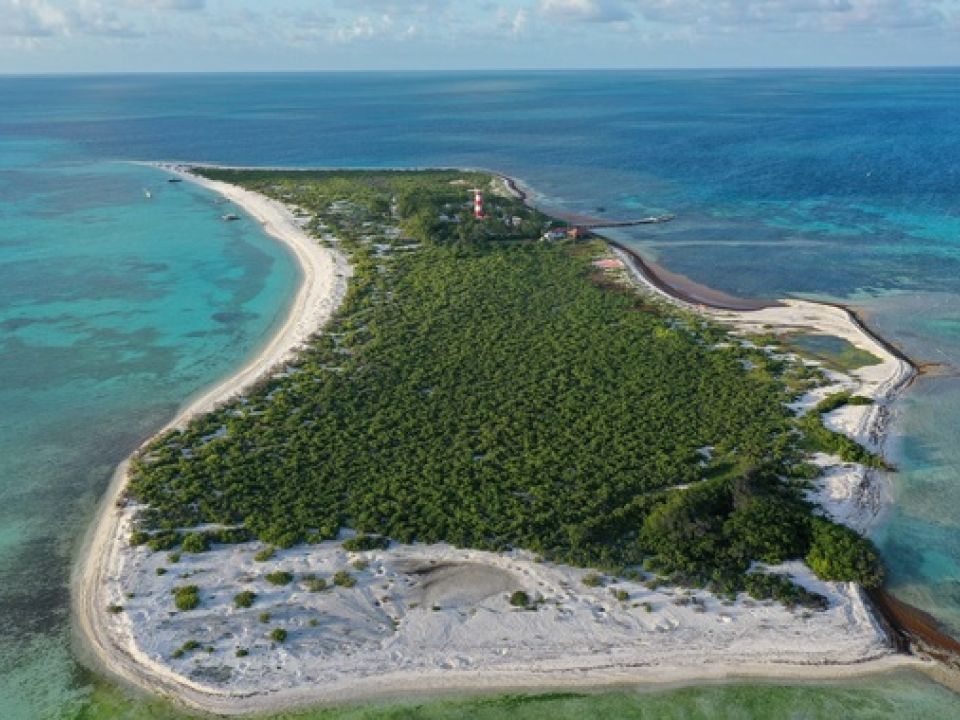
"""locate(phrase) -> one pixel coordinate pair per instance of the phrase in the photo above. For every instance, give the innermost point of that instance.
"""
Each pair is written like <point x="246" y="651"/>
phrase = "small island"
<point x="490" y="451"/>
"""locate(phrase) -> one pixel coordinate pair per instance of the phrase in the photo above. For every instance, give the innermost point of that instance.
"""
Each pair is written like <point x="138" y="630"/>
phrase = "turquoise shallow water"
<point x="115" y="309"/>
<point x="921" y="538"/>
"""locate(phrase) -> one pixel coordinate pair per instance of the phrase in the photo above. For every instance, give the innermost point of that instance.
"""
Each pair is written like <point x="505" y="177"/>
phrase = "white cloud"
<point x="361" y="28"/>
<point x="166" y="4"/>
<point x="432" y="31"/>
<point x="32" y="19"/>
<point x="512" y="23"/>
<point x="36" y="19"/>
<point x="598" y="11"/>
<point x="392" y="7"/>
<point x="775" y="15"/>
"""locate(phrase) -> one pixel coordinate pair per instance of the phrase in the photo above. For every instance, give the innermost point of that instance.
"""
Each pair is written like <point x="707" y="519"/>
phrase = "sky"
<point x="54" y="36"/>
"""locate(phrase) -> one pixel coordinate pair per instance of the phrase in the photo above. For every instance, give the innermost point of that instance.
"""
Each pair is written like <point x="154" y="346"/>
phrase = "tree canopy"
<point x="480" y="388"/>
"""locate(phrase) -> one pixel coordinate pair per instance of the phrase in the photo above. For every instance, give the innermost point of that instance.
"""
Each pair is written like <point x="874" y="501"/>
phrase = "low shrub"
<point x="774" y="586"/>
<point x="244" y="599"/>
<point x="230" y="536"/>
<point x="279" y="577"/>
<point x="519" y="599"/>
<point x="316" y="584"/>
<point x="265" y="554"/>
<point x="593" y="579"/>
<point x="362" y="543"/>
<point x="186" y="597"/>
<point x="188" y="646"/>
<point x="195" y="543"/>
<point x="163" y="540"/>
<point x="344" y="579"/>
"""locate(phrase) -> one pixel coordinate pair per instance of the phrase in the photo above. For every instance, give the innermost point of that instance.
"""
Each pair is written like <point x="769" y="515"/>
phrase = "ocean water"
<point x="114" y="308"/>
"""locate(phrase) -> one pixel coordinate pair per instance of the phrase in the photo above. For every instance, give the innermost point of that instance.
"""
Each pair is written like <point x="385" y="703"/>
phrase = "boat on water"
<point x="147" y="194"/>
<point x="229" y="217"/>
<point x="174" y="180"/>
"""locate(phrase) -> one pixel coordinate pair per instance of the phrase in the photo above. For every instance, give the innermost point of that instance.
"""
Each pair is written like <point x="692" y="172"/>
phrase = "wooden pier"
<point x="653" y="220"/>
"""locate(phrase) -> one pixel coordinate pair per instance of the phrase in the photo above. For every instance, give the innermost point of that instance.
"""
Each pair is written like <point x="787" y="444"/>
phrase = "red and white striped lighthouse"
<point x="477" y="203"/>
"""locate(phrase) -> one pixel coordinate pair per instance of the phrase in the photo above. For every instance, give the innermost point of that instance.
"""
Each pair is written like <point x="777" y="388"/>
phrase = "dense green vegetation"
<point x="481" y="389"/>
<point x="816" y="437"/>
<point x="195" y="543"/>
<point x="839" y="400"/>
<point x="838" y="553"/>
<point x="766" y="586"/>
<point x="361" y="543"/>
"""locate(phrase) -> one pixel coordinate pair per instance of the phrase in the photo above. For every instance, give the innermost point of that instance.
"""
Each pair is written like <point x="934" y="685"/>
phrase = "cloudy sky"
<point x="157" y="35"/>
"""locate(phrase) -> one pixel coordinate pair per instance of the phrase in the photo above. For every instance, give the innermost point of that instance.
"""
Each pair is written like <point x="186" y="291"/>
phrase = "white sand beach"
<point x="424" y="618"/>
<point x="325" y="275"/>
<point x="852" y="494"/>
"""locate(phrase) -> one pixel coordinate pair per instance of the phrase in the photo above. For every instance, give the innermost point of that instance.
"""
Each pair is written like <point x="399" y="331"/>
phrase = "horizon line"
<point x="454" y="71"/>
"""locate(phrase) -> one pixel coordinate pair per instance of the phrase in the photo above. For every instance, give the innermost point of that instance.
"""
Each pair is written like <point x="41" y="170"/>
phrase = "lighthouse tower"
<point x="478" y="203"/>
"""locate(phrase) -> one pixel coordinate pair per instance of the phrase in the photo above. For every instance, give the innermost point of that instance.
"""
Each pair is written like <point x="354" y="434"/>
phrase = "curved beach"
<point x="853" y="495"/>
<point x="325" y="275"/>
<point x="677" y="645"/>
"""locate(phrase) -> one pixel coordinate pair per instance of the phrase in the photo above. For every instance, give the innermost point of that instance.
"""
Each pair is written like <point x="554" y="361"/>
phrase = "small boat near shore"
<point x="229" y="217"/>
<point x="174" y="180"/>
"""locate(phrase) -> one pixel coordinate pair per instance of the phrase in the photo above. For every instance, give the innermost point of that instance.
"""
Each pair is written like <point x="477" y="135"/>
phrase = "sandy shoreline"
<point x="853" y="495"/>
<point x="325" y="275"/>
<point x="107" y="559"/>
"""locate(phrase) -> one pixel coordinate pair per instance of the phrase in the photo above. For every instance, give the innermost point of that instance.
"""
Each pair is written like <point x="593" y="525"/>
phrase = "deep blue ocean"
<point x="115" y="307"/>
